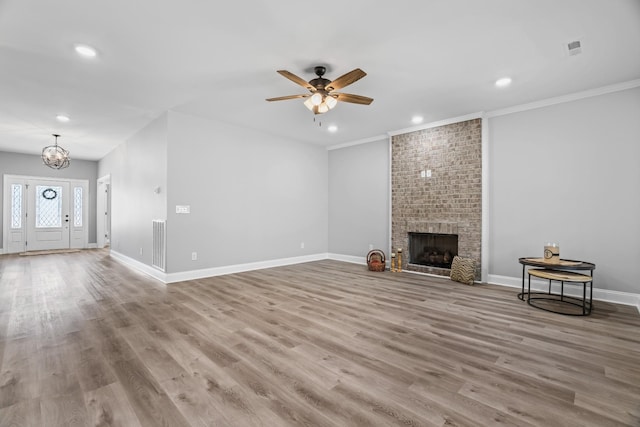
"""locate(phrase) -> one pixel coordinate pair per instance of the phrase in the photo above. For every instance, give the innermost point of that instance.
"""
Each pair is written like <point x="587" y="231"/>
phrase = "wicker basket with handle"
<point x="376" y="261"/>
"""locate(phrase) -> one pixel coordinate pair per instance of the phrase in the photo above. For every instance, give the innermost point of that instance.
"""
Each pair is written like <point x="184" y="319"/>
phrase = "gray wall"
<point x="359" y="199"/>
<point x="569" y="173"/>
<point x="253" y="197"/>
<point x="137" y="167"/>
<point x="30" y="165"/>
<point x="566" y="173"/>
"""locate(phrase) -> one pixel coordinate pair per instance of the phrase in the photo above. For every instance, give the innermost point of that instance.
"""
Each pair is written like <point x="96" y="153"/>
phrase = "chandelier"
<point x="55" y="156"/>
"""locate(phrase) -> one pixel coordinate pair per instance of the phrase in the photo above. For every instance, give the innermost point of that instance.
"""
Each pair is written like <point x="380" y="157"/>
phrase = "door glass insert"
<point x="77" y="206"/>
<point x="48" y="206"/>
<point x="16" y="205"/>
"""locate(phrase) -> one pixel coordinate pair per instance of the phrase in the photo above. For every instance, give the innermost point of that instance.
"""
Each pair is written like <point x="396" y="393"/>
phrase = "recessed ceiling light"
<point x="62" y="118"/>
<point x="332" y="128"/>
<point x="503" y="82"/>
<point x="417" y="120"/>
<point x="85" y="50"/>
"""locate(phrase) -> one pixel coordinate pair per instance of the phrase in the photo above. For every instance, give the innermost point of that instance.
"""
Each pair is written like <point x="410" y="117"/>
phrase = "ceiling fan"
<point x="323" y="95"/>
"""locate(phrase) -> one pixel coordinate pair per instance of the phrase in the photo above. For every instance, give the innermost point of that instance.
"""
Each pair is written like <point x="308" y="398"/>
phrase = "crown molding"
<point x="439" y="123"/>
<point x="565" y="98"/>
<point x="500" y="112"/>
<point x="358" y="142"/>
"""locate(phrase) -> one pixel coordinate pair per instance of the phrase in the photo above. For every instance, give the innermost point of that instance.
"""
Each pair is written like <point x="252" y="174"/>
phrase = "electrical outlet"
<point x="194" y="256"/>
<point x="301" y="245"/>
<point x="140" y="251"/>
<point x="370" y="247"/>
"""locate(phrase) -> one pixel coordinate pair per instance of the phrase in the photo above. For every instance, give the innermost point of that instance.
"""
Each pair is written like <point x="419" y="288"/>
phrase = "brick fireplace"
<point x="436" y="188"/>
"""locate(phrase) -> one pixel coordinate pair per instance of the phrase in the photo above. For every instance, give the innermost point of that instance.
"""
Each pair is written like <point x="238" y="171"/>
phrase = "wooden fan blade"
<point x="297" y="80"/>
<point x="354" y="99"/>
<point x="283" y="98"/>
<point x="346" y="79"/>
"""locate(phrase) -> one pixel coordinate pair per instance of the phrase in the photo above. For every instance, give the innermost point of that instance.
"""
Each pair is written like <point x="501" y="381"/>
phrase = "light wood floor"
<point x="85" y="341"/>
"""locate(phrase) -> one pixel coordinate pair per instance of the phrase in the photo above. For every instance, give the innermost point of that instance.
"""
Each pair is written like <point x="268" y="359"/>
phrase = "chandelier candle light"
<point x="55" y="156"/>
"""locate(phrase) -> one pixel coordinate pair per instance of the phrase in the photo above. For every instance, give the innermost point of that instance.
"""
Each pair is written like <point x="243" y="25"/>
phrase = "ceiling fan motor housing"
<point x="319" y="82"/>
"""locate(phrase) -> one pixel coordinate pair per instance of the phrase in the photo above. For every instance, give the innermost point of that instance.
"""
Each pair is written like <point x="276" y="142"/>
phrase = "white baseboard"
<point x="625" y="298"/>
<point x="348" y="258"/>
<point x="239" y="268"/>
<point x="140" y="266"/>
<point x="213" y="271"/>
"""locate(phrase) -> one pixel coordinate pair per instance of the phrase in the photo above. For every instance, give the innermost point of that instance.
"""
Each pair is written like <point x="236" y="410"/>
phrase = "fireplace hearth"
<point x="432" y="249"/>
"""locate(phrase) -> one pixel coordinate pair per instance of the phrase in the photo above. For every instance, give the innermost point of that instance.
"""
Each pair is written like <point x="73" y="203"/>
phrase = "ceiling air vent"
<point x="574" y="48"/>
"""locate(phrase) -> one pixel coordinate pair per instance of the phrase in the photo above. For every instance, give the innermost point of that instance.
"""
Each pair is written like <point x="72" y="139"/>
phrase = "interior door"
<point x="47" y="216"/>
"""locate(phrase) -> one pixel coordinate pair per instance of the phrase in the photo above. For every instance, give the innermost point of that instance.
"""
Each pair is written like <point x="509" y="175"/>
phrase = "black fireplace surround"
<point x="432" y="249"/>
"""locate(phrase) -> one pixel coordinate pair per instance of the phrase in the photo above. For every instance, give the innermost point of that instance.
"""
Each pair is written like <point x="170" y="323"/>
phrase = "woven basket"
<point x="376" y="260"/>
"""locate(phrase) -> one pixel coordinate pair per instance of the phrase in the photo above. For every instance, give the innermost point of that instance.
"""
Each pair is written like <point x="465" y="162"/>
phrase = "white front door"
<point x="44" y="213"/>
<point x="48" y="216"/>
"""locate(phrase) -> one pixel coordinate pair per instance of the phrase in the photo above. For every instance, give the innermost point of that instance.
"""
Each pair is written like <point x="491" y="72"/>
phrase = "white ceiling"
<point x="436" y="58"/>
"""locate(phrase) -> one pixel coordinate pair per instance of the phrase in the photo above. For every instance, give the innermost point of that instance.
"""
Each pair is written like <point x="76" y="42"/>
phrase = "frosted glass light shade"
<point x="316" y="98"/>
<point x="322" y="108"/>
<point x="330" y="101"/>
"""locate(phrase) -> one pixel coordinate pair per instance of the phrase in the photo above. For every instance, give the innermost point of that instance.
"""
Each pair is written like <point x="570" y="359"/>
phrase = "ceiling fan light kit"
<point x="322" y="96"/>
<point x="322" y="106"/>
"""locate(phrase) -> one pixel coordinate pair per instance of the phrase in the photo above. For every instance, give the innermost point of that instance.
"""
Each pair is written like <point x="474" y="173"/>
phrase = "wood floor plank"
<point x="160" y="363"/>
<point x="150" y="403"/>
<point x="522" y="406"/>
<point x="310" y="387"/>
<point x="64" y="410"/>
<point x="86" y="341"/>
<point x="211" y="386"/>
<point x="19" y="374"/>
<point x="288" y="406"/>
<point x="24" y="413"/>
<point x="108" y="407"/>
<point x="92" y="370"/>
<point x="624" y="409"/>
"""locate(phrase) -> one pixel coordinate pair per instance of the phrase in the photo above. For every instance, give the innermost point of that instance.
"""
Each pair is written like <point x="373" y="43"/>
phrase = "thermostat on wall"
<point x="183" y="209"/>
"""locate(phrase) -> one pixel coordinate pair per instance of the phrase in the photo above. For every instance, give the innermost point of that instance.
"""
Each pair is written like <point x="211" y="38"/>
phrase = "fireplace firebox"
<point x="432" y="249"/>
